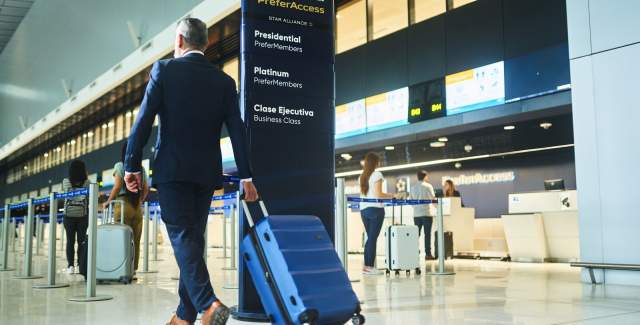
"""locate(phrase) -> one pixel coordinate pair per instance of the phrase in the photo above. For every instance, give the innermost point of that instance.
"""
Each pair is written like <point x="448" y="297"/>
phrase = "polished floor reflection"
<point x="481" y="292"/>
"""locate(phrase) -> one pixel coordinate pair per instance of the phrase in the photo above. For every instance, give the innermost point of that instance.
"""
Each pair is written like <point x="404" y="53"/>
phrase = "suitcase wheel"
<point x="408" y="273"/>
<point x="125" y="280"/>
<point x="309" y="316"/>
<point x="418" y="271"/>
<point x="357" y="319"/>
<point x="387" y="272"/>
<point x="397" y="272"/>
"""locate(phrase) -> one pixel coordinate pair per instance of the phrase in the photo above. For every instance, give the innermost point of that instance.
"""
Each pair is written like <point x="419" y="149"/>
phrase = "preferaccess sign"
<point x="288" y="99"/>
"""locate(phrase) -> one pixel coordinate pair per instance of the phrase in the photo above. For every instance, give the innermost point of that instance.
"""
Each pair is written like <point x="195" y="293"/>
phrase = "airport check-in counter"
<point x="543" y="226"/>
<point x="457" y="219"/>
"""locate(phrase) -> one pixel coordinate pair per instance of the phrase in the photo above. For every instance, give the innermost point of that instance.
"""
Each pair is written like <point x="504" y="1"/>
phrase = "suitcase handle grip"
<point x="110" y="208"/>
<point x="245" y="207"/>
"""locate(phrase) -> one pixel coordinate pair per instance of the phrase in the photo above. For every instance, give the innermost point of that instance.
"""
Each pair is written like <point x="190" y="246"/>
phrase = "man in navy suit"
<point x="193" y="99"/>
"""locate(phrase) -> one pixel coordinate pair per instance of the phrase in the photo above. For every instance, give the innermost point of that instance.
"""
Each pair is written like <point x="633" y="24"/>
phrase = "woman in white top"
<point x="372" y="213"/>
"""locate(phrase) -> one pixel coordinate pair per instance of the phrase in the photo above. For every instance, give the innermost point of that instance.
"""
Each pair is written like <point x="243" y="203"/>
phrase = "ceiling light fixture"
<point x="389" y="148"/>
<point x="443" y="139"/>
<point x="509" y="127"/>
<point x="46" y="155"/>
<point x="437" y="144"/>
<point x="546" y="125"/>
<point x="104" y="126"/>
<point x="346" y="156"/>
<point x="458" y="165"/>
<point x="468" y="148"/>
<point x="450" y="160"/>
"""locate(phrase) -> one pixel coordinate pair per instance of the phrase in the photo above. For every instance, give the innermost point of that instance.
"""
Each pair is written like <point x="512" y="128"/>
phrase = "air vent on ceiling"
<point x="58" y="110"/>
<point x="146" y="46"/>
<point x="73" y="98"/>
<point x="117" y="67"/>
<point x="93" y="84"/>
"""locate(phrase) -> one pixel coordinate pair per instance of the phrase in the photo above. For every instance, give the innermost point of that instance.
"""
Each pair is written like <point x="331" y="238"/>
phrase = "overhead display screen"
<point x="351" y="119"/>
<point x="427" y="101"/>
<point x="475" y="88"/>
<point x="538" y="73"/>
<point x="387" y="109"/>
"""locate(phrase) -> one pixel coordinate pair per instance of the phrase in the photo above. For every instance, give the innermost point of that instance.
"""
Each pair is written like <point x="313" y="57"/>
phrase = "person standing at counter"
<point x="423" y="214"/>
<point x="450" y="190"/>
<point x="371" y="182"/>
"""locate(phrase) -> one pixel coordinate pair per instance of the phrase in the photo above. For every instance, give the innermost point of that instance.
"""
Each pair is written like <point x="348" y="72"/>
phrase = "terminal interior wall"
<point x="604" y="39"/>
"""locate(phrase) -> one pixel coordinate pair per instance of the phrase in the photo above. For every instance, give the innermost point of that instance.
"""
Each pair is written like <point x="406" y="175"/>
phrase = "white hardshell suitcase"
<point x="402" y="247"/>
<point x="115" y="249"/>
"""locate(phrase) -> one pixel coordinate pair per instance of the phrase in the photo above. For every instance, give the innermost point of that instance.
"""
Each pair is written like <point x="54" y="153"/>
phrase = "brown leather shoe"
<point x="175" y="320"/>
<point x="217" y="314"/>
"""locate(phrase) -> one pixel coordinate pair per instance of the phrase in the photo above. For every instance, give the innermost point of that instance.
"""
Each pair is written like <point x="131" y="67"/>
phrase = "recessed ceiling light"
<point x="58" y="149"/>
<point x="346" y="156"/>
<point x="458" y="165"/>
<point x="546" y="125"/>
<point x="443" y="139"/>
<point x="509" y="127"/>
<point x="128" y="114"/>
<point x="468" y="148"/>
<point x="26" y="167"/>
<point x="46" y="155"/>
<point x="104" y="126"/>
<point x="389" y="148"/>
<point x="437" y="144"/>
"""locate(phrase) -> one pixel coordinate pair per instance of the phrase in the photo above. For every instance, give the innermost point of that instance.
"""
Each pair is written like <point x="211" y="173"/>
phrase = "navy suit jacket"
<point x="193" y="99"/>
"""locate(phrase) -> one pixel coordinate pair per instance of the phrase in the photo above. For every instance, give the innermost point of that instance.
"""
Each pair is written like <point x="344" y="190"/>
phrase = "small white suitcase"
<point x="115" y="250"/>
<point x="402" y="247"/>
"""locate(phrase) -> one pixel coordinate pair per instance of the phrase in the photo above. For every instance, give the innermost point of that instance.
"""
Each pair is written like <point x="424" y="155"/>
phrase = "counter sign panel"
<point x="287" y="96"/>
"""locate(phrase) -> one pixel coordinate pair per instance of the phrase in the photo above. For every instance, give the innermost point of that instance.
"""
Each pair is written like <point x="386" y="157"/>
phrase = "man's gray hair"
<point x="194" y="31"/>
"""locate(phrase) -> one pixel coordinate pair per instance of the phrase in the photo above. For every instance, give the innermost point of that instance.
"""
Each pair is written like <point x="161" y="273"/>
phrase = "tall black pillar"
<point x="288" y="100"/>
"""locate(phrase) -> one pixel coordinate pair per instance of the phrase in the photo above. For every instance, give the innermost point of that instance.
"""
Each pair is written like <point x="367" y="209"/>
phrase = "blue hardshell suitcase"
<point x="297" y="272"/>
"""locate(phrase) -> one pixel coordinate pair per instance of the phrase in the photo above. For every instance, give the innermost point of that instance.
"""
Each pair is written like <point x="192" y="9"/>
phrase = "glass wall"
<point x="351" y="25"/>
<point x="94" y="138"/>
<point x="425" y="9"/>
<point x="389" y="16"/>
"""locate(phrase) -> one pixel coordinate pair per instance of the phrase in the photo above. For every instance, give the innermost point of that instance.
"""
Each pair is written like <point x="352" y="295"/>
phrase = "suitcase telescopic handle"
<point x="110" y="208"/>
<point x="245" y="207"/>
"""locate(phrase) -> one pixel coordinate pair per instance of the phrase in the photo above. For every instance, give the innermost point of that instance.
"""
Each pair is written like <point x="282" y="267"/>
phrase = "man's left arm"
<point x="141" y="129"/>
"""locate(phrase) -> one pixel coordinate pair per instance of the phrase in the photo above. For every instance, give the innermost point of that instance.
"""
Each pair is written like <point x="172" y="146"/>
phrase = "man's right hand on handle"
<point x="250" y="191"/>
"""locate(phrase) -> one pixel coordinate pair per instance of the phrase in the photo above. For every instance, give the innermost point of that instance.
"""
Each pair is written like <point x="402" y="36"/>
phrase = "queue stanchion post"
<point x="224" y="238"/>
<point x="154" y="239"/>
<point x="14" y="233"/>
<point x="234" y="255"/>
<point x="90" y="294"/>
<point x="232" y="239"/>
<point x="145" y="250"/>
<point x="51" y="266"/>
<point x="6" y="225"/>
<point x="39" y="226"/>
<point x="440" y="239"/>
<point x="27" y="272"/>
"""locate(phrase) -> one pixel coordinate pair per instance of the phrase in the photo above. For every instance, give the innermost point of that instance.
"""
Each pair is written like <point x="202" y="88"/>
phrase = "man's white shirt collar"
<point x="193" y="51"/>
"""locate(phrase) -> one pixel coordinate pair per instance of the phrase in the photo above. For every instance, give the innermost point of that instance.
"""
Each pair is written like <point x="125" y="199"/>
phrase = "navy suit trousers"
<point x="185" y="209"/>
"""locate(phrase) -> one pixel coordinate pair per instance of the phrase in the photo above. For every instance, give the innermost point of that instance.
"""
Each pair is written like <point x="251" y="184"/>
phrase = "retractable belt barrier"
<point x="341" y="221"/>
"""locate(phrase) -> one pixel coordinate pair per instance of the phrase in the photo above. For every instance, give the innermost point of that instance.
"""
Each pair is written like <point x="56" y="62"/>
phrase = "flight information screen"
<point x="351" y="119"/>
<point x="427" y="101"/>
<point x="387" y="109"/>
<point x="475" y="88"/>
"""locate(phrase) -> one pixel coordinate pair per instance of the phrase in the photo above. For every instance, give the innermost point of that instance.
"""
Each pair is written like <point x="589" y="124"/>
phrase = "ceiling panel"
<point x="11" y="14"/>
